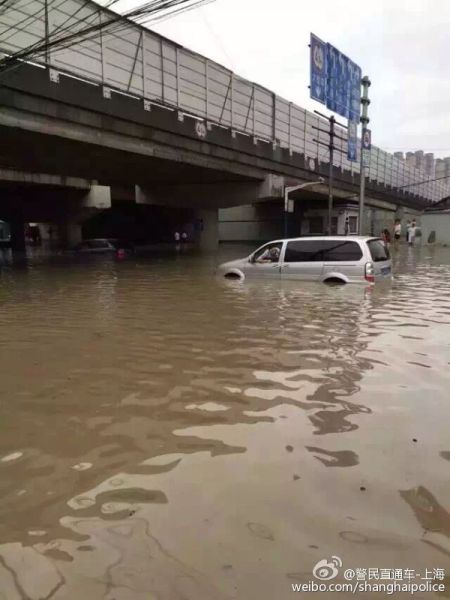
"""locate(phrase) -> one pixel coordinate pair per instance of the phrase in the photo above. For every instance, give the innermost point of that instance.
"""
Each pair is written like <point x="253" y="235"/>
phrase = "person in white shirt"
<point x="397" y="230"/>
<point x="411" y="232"/>
<point x="270" y="255"/>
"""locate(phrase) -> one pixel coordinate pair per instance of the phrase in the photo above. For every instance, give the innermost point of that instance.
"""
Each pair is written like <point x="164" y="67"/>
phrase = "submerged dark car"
<point x="122" y="245"/>
<point x="95" y="246"/>
<point x="105" y="246"/>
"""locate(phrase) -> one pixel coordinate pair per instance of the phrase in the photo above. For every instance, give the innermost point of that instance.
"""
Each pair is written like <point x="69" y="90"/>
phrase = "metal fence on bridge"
<point x="134" y="60"/>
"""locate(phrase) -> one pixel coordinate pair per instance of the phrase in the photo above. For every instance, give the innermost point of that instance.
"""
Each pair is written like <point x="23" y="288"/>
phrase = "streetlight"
<point x="292" y="188"/>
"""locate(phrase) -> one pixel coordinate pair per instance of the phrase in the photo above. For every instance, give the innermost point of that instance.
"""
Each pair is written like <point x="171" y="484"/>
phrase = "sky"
<point x="402" y="45"/>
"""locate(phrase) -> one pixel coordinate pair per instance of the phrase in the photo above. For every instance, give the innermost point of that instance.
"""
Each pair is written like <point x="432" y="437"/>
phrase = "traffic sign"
<point x="318" y="71"/>
<point x="366" y="139"/>
<point x="352" y="141"/>
<point x="335" y="80"/>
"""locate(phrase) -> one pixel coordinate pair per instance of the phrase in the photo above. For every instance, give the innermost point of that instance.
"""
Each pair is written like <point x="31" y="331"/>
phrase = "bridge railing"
<point x="130" y="59"/>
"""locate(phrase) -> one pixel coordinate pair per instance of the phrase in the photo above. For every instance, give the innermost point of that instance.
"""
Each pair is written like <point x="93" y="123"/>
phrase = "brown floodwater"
<point x="166" y="435"/>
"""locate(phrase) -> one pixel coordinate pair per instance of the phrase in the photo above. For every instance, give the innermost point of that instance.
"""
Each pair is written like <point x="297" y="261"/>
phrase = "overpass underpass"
<point x="160" y="78"/>
<point x="136" y="109"/>
<point x="69" y="129"/>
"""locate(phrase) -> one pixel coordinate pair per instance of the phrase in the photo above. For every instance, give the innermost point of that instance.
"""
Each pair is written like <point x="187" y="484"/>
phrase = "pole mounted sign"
<point x="318" y="71"/>
<point x="352" y="141"/>
<point x="366" y="146"/>
<point x="336" y="82"/>
<point x="366" y="139"/>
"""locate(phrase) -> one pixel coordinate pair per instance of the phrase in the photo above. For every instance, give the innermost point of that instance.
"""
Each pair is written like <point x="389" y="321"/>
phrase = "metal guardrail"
<point x="137" y="61"/>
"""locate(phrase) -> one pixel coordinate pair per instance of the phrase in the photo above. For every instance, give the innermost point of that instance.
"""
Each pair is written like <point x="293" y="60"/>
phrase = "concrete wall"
<point x="5" y="231"/>
<point x="339" y="216"/>
<point x="378" y="219"/>
<point x="375" y="219"/>
<point x="439" y="223"/>
<point x="265" y="221"/>
<point x="251" y="222"/>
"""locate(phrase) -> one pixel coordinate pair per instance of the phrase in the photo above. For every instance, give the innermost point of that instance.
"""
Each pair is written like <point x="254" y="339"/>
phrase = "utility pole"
<point x="365" y="82"/>
<point x="47" y="34"/>
<point x="331" y="147"/>
<point x="330" y="175"/>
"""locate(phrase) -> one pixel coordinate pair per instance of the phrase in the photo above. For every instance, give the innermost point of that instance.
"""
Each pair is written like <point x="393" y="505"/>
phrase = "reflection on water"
<point x="169" y="435"/>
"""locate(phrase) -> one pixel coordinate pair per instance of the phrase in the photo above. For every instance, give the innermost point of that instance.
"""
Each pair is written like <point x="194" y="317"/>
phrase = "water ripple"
<point x="169" y="435"/>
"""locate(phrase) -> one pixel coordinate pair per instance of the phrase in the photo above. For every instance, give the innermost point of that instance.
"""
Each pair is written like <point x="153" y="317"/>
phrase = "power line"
<point x="165" y="17"/>
<point x="29" y="19"/>
<point x="116" y="21"/>
<point x="4" y="5"/>
<point x="422" y="182"/>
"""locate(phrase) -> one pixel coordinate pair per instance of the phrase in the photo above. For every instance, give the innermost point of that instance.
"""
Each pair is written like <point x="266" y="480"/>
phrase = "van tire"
<point x="335" y="281"/>
<point x="234" y="274"/>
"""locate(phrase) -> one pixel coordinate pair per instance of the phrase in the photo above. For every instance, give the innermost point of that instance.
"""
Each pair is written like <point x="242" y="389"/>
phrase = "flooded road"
<point x="165" y="435"/>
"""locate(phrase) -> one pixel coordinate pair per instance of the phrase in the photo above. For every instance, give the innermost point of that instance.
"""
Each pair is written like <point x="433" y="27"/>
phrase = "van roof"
<point x="360" y="238"/>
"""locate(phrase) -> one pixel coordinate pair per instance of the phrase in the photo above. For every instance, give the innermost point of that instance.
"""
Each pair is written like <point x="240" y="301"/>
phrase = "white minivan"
<point x="330" y="259"/>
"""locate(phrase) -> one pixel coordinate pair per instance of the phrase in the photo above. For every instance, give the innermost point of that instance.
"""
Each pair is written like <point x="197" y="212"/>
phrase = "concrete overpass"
<point x="136" y="109"/>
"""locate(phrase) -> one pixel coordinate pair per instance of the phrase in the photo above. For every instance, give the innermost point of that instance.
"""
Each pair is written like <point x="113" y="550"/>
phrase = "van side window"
<point x="304" y="251"/>
<point x="322" y="250"/>
<point x="342" y="251"/>
<point x="97" y="244"/>
<point x="268" y="253"/>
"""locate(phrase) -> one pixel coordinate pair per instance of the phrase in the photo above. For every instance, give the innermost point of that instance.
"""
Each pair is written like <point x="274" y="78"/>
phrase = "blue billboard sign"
<point x="352" y="141"/>
<point x="334" y="97"/>
<point x="318" y="69"/>
<point x="335" y="80"/>
<point x="355" y="75"/>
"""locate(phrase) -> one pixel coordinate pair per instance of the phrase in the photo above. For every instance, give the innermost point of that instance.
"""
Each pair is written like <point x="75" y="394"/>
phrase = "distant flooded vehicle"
<point x="329" y="259"/>
<point x="122" y="245"/>
<point x="95" y="246"/>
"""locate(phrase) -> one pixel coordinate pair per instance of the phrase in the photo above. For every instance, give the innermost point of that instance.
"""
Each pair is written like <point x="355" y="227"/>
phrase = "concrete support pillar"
<point x="99" y="196"/>
<point x="400" y="214"/>
<point x="70" y="232"/>
<point x="17" y="226"/>
<point x="207" y="221"/>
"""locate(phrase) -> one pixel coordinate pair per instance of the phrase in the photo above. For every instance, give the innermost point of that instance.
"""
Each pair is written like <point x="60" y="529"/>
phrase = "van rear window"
<point x="378" y="250"/>
<point x="342" y="252"/>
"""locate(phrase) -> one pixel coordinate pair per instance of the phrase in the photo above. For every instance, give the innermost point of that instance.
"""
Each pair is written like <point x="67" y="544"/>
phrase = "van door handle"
<point x="286" y="266"/>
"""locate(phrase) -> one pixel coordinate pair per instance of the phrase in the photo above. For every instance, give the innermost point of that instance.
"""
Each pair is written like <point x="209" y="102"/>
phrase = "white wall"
<point x="259" y="222"/>
<point x="437" y="222"/>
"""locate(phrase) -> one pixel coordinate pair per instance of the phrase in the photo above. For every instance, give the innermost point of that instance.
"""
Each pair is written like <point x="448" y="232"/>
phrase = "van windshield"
<point x="378" y="250"/>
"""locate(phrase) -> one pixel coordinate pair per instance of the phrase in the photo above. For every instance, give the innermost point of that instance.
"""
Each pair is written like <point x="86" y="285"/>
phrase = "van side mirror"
<point x="251" y="258"/>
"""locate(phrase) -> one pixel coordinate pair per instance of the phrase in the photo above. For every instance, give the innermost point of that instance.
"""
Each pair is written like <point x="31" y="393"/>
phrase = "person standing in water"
<point x="411" y="232"/>
<point x="386" y="237"/>
<point x="408" y="231"/>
